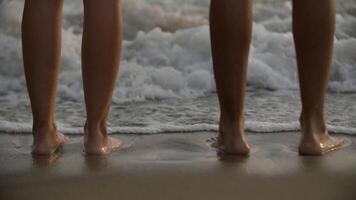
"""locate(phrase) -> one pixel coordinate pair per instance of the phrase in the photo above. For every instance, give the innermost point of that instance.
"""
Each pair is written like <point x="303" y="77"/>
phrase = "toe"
<point x="332" y="144"/>
<point x="115" y="143"/>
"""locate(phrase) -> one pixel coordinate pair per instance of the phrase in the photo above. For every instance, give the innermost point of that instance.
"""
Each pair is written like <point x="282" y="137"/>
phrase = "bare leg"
<point x="41" y="37"/>
<point x="314" y="27"/>
<point x="231" y="27"/>
<point x="100" y="57"/>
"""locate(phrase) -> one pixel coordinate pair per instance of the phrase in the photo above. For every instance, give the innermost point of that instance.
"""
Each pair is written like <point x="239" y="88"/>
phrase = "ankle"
<point x="231" y="125"/>
<point x="96" y="128"/>
<point x="312" y="115"/>
<point x="313" y="123"/>
<point x="47" y="126"/>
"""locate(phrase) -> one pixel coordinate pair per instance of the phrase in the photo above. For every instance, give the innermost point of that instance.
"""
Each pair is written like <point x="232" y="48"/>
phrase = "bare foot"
<point x="231" y="140"/>
<point x="47" y="142"/>
<point x="99" y="143"/>
<point x="317" y="145"/>
<point x="315" y="140"/>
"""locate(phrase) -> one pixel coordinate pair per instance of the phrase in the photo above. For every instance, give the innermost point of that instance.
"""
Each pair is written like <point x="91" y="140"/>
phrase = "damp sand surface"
<point x="177" y="166"/>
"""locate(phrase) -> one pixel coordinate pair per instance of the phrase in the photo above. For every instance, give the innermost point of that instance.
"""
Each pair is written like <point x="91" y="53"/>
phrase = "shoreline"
<point x="177" y="166"/>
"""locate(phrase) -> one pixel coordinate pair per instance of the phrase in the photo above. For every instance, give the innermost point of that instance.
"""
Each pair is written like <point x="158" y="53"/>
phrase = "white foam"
<point x="166" y="54"/>
<point x="250" y="126"/>
<point x="167" y="50"/>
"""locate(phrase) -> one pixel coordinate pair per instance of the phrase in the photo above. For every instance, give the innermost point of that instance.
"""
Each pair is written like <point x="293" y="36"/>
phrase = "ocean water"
<point x="166" y="82"/>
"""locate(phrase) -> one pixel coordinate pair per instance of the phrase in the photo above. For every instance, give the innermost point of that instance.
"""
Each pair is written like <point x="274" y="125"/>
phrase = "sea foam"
<point x="250" y="126"/>
<point x="166" y="53"/>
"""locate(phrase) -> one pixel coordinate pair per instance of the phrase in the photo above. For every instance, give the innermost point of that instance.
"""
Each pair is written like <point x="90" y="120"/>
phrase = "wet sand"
<point x="177" y="166"/>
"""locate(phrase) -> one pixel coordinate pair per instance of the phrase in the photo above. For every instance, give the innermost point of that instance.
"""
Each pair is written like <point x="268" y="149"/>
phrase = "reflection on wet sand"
<point x="46" y="160"/>
<point x="227" y="158"/>
<point x="310" y="163"/>
<point x="96" y="162"/>
<point x="183" y="164"/>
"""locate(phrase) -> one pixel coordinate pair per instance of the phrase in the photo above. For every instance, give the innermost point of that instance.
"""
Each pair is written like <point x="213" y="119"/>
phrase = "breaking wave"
<point x="166" y="53"/>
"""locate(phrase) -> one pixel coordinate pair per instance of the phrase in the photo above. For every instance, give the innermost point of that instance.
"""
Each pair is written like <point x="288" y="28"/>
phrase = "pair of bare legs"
<point x="231" y="25"/>
<point x="313" y="28"/>
<point x="41" y="36"/>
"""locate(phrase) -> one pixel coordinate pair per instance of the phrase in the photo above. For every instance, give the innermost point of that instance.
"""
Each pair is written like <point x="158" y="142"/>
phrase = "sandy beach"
<point x="177" y="166"/>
